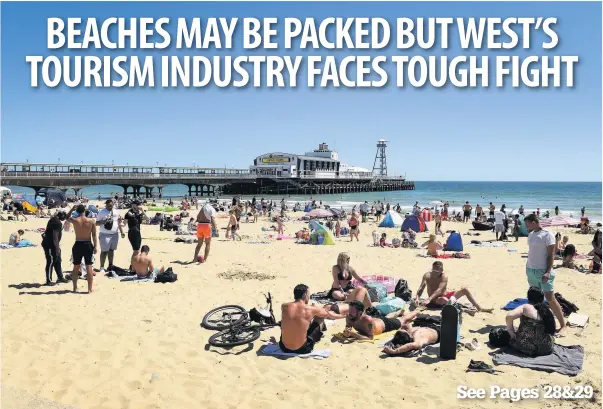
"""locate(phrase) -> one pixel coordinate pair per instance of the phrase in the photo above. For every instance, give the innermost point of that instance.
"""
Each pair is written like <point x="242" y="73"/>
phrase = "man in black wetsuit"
<point x="134" y="219"/>
<point x="52" y="250"/>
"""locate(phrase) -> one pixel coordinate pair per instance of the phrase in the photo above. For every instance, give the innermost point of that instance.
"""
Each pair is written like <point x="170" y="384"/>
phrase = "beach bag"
<point x="168" y="276"/>
<point x="402" y="291"/>
<point x="377" y="291"/>
<point x="389" y="305"/>
<point x="499" y="337"/>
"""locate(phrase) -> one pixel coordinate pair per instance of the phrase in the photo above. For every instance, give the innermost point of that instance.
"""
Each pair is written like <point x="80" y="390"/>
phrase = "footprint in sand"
<point x="104" y="355"/>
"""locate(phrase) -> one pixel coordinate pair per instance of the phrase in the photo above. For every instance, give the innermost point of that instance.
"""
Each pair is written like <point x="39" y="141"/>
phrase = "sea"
<point x="569" y="196"/>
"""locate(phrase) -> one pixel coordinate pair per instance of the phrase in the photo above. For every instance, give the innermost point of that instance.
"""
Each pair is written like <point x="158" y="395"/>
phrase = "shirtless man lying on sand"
<point x="142" y="263"/>
<point x="412" y="339"/>
<point x="437" y="282"/>
<point x="302" y="325"/>
<point x="368" y="326"/>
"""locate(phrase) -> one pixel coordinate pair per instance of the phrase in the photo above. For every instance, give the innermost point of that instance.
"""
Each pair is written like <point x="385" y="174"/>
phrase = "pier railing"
<point x="187" y="176"/>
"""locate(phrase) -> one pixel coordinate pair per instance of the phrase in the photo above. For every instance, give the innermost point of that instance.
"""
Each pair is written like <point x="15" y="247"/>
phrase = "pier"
<point x="147" y="180"/>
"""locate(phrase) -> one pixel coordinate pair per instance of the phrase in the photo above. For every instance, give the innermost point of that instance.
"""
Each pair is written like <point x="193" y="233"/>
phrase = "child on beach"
<point x="232" y="226"/>
<point x="516" y="226"/>
<point x="337" y="227"/>
<point x="432" y="246"/>
<point x="382" y="240"/>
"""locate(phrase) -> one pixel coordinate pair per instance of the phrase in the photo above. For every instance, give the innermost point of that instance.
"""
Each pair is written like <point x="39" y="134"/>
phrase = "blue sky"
<point x="436" y="134"/>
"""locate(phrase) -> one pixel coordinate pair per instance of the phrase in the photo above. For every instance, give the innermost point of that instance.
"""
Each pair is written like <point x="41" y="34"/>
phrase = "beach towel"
<point x="376" y="338"/>
<point x="485" y="244"/>
<point x="446" y="256"/>
<point x="135" y="279"/>
<point x="275" y="350"/>
<point x="259" y="242"/>
<point x="322" y="297"/>
<point x="563" y="360"/>
<point x="22" y="244"/>
<point x="511" y="305"/>
<point x="411" y="354"/>
<point x="388" y="281"/>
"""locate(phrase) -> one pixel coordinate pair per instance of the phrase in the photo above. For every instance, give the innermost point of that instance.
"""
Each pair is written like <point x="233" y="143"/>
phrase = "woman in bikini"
<point x="354" y="229"/>
<point x="343" y="274"/>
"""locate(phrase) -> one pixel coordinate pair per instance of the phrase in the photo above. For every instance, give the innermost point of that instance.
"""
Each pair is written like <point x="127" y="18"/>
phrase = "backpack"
<point x="499" y="337"/>
<point x="168" y="276"/>
<point x="377" y="291"/>
<point x="402" y="290"/>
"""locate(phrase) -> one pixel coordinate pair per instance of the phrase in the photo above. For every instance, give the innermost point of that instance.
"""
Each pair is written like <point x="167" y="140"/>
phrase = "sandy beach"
<point x="140" y="346"/>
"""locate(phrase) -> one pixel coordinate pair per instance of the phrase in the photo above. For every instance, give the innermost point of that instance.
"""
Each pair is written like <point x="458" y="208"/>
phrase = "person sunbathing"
<point x="569" y="253"/>
<point x="15" y="237"/>
<point x="432" y="246"/>
<point x="437" y="282"/>
<point x="366" y="326"/>
<point x="343" y="274"/>
<point x="142" y="264"/>
<point x="410" y="338"/>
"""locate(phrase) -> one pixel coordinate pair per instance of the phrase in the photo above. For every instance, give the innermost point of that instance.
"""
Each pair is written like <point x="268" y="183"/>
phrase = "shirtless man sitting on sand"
<point x="302" y="325"/>
<point x="437" y="282"/>
<point x="368" y="326"/>
<point x="412" y="339"/>
<point x="142" y="263"/>
<point x="85" y="229"/>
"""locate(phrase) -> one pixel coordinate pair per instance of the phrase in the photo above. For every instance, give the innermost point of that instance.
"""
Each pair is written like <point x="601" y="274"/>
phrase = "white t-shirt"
<point x="105" y="215"/>
<point x="364" y="207"/>
<point x="499" y="218"/>
<point x="538" y="241"/>
<point x="209" y="211"/>
<point x="379" y="207"/>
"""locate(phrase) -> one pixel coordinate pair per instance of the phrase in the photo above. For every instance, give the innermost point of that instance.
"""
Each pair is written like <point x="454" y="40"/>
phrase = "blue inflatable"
<point x="454" y="243"/>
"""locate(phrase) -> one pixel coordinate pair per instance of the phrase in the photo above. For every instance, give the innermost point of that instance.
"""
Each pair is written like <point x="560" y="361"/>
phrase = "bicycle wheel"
<point x="235" y="336"/>
<point x="224" y="317"/>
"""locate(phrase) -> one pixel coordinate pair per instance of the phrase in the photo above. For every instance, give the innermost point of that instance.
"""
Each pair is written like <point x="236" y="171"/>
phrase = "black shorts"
<point x="391" y="324"/>
<point x="438" y="225"/>
<point x="314" y="335"/>
<point x="347" y="288"/>
<point x="378" y="213"/>
<point x="467" y="213"/>
<point x="491" y="214"/>
<point x="135" y="239"/>
<point x="82" y="250"/>
<point x="353" y="227"/>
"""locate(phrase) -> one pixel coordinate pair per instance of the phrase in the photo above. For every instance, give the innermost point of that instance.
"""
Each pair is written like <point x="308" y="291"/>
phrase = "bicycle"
<point x="234" y="324"/>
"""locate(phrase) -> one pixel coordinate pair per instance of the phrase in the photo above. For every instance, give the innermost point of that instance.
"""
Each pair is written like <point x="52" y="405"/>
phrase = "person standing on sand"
<point x="85" y="229"/>
<point x="539" y="268"/>
<point x="378" y="210"/>
<point x="206" y="221"/>
<point x="354" y="229"/>
<point x="438" y="223"/>
<point x="492" y="209"/>
<point x="134" y="219"/>
<point x="364" y="211"/>
<point x="52" y="250"/>
<point x="556" y="210"/>
<point x="467" y="212"/>
<point x="109" y="222"/>
<point x="583" y="210"/>
<point x="478" y="212"/>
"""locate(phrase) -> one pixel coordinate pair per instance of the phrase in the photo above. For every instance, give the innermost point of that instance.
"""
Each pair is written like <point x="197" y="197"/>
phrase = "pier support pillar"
<point x="160" y="188"/>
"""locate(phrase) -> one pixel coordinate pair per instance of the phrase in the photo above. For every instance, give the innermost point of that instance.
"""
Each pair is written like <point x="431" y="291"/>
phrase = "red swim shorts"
<point x="203" y="231"/>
